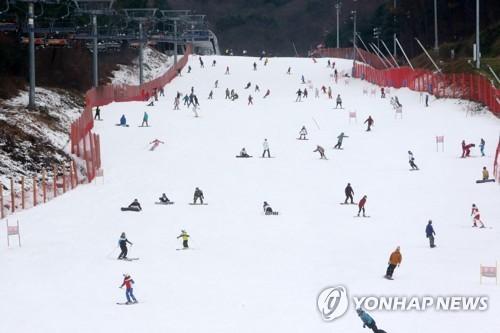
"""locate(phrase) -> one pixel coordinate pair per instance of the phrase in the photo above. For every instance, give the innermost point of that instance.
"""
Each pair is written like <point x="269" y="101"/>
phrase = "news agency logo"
<point x="333" y="302"/>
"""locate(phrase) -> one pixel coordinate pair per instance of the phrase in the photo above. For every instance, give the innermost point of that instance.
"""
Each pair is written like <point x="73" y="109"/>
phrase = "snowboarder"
<point x="254" y="66"/>
<point x="185" y="238"/>
<point x="164" y="198"/>
<point x="349" y="192"/>
<point x="243" y="153"/>
<point x="361" y="205"/>
<point x="411" y="160"/>
<point x="481" y="145"/>
<point x="467" y="149"/>
<point x="305" y="93"/>
<point x="370" y="122"/>
<point x="189" y="69"/>
<point x="202" y="65"/>
<point x="426" y="100"/>
<point x="98" y="114"/>
<point x="303" y="80"/>
<point x="227" y="70"/>
<point x="321" y="151"/>
<point x="323" y="88"/>
<point x="257" y="88"/>
<point x="145" y="119"/>
<point x="211" y="94"/>
<point x="128" y="282"/>
<point x="234" y="97"/>
<point x="267" y="209"/>
<point x="250" y="100"/>
<point x="198" y="194"/>
<point x="227" y="94"/>
<point x="186" y="100"/>
<point x="299" y="95"/>
<point x="394" y="260"/>
<point x="303" y="133"/>
<point x="329" y="63"/>
<point x="476" y="216"/>
<point x="289" y="71"/>
<point x="486" y="174"/>
<point x="176" y="103"/>
<point x="216" y="83"/>
<point x="396" y="101"/>
<point x="214" y="63"/>
<point x="339" y="101"/>
<point x="265" y="145"/>
<point x="248" y="85"/>
<point x="268" y="92"/>
<point x="429" y="232"/>
<point x="463" y="148"/>
<point x="122" y="242"/>
<point x="123" y="121"/>
<point x="368" y="321"/>
<point x="135" y="205"/>
<point x="340" y="139"/>
<point x="155" y="144"/>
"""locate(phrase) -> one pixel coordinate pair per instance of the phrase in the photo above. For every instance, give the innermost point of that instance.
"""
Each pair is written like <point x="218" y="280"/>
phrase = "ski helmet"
<point x="359" y="310"/>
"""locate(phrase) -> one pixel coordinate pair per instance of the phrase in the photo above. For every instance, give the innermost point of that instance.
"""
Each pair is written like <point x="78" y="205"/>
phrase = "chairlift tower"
<point x="175" y="16"/>
<point x="194" y="20"/>
<point x="142" y="16"/>
<point x="94" y="8"/>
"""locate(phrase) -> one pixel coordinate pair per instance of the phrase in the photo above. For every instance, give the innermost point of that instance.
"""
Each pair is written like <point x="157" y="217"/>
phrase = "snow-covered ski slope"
<point x="250" y="272"/>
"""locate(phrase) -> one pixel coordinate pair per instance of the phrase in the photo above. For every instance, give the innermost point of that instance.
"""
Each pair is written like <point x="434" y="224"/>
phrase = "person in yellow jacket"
<point x="394" y="260"/>
<point x="486" y="174"/>
<point x="185" y="237"/>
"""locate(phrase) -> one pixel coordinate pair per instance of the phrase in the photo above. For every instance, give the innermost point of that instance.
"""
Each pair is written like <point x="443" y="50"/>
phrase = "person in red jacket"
<point x="321" y="151"/>
<point x="370" y="122"/>
<point x="129" y="293"/>
<point x="361" y="205"/>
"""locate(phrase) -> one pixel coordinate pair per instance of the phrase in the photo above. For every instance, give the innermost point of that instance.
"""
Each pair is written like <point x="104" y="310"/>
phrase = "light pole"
<point x="376" y="34"/>
<point x="394" y="28"/>
<point x="478" y="61"/>
<point x="337" y="6"/>
<point x="436" y="45"/>
<point x="354" y="33"/>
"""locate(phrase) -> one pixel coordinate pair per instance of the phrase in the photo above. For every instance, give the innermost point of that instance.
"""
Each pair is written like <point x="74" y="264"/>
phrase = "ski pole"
<point x="130" y="249"/>
<point x="111" y="252"/>
<point x="316" y="123"/>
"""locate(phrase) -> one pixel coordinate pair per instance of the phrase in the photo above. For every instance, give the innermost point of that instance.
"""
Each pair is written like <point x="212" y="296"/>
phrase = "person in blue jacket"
<point x="368" y="321"/>
<point x="123" y="120"/>
<point x="429" y="232"/>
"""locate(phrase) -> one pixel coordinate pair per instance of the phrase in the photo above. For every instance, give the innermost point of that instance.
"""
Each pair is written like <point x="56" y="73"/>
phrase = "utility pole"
<point x="436" y="45"/>
<point x="354" y="33"/>
<point x="394" y="28"/>
<point x="337" y="6"/>
<point x="31" y="25"/>
<point x="478" y="54"/>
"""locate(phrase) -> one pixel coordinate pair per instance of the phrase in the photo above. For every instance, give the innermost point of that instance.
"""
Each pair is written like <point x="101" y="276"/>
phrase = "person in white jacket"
<point x="266" y="148"/>
<point x="303" y="133"/>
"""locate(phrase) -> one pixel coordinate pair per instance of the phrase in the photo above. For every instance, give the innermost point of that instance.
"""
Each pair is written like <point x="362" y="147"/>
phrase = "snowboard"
<point x="414" y="169"/>
<point x="98" y="119"/>
<point x="184" y="248"/>
<point x="126" y="209"/>
<point x="121" y="125"/>
<point x="125" y="303"/>
<point x="164" y="203"/>
<point x="129" y="259"/>
<point x="343" y="203"/>
<point x="144" y="126"/>
<point x="338" y="148"/>
<point x="272" y="213"/>
<point x="485" y="181"/>
<point x="388" y="278"/>
<point x="267" y="157"/>
<point x="197" y="204"/>
<point x="302" y="139"/>
<point x="367" y="216"/>
<point x="237" y="156"/>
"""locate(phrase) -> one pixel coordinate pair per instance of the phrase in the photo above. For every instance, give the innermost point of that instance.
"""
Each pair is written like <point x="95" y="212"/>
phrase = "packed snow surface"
<point x="249" y="272"/>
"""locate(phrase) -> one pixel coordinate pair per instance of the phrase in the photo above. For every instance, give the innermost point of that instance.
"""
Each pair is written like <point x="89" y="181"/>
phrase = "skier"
<point x="185" y="237"/>
<point x="368" y="321"/>
<point x="289" y="70"/>
<point x="164" y="199"/>
<point x="216" y="83"/>
<point x="340" y="139"/>
<point x="476" y="216"/>
<point x="429" y="232"/>
<point x="361" y="205"/>
<point x="396" y="100"/>
<point x="129" y="293"/>
<point x="463" y="148"/>
<point x="254" y="66"/>
<point x="303" y="79"/>
<point x="162" y="92"/>
<point x="214" y="63"/>
<point x="155" y="144"/>
<point x="186" y="100"/>
<point x="268" y="92"/>
<point x="265" y="145"/>
<point x="467" y="149"/>
<point x="394" y="260"/>
<point x="198" y="194"/>
<point x="201" y="63"/>
<point x="250" y="98"/>
<point x="329" y="64"/>
<point x="227" y="70"/>
<point x="316" y="93"/>
<point x="227" y="94"/>
<point x="339" y="101"/>
<point x="305" y="93"/>
<point x="257" y="88"/>
<point x="486" y="174"/>
<point x="135" y="205"/>
<point x="243" y="153"/>
<point x="248" y="85"/>
<point x="370" y="122"/>
<point x="98" y="114"/>
<point x="323" y="88"/>
<point x="267" y="209"/>
<point x="266" y="61"/>
<point x="321" y="151"/>
<point x="382" y="92"/>
<point x="123" y="246"/>
<point x="176" y="103"/>
<point x="349" y="192"/>
<point x="426" y="100"/>
<point x="211" y="94"/>
<point x="145" y="119"/>
<point x="123" y="121"/>
<point x="481" y="145"/>
<point x="335" y="74"/>
<point x="329" y="92"/>
<point x="303" y="133"/>
<point x="299" y="95"/>
<point x="412" y="161"/>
